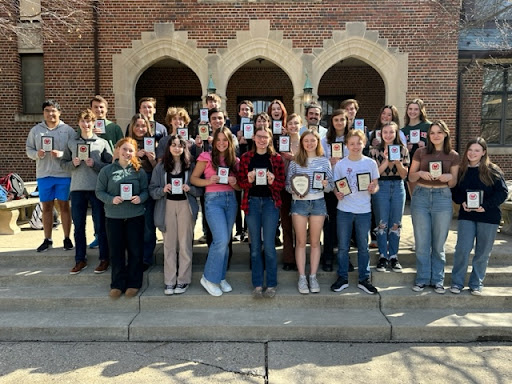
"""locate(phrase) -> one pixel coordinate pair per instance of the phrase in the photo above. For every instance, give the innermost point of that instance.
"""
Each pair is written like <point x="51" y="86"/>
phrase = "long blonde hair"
<point x="302" y="157"/>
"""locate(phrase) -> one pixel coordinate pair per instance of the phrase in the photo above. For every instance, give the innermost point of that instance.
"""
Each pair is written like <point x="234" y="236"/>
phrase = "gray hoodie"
<point x="83" y="177"/>
<point x="49" y="165"/>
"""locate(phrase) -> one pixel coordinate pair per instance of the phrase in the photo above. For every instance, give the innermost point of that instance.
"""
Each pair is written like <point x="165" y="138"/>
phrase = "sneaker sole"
<point x="455" y="292"/>
<point x="44" y="250"/>
<point x="344" y="286"/>
<point x="204" y="283"/>
<point x="314" y="290"/>
<point x="418" y="289"/>
<point x="382" y="269"/>
<point x="396" y="270"/>
<point x="100" y="272"/>
<point x="168" y="293"/>
<point x="364" y="289"/>
<point x="304" y="292"/>
<point x="179" y="291"/>
<point x="476" y="293"/>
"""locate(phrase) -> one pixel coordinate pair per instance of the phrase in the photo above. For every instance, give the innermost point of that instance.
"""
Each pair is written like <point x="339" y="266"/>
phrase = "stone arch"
<point x="259" y="41"/>
<point x="154" y="46"/>
<point x="358" y="42"/>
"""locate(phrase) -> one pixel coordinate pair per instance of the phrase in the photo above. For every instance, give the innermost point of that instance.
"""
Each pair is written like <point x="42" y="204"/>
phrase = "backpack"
<point x="36" y="221"/>
<point x="14" y="184"/>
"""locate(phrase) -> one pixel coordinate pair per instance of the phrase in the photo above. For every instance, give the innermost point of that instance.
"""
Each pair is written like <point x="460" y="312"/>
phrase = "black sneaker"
<point x="47" y="244"/>
<point x="339" y="285"/>
<point x="382" y="265"/>
<point x="68" y="245"/>
<point x="395" y="265"/>
<point x="367" y="287"/>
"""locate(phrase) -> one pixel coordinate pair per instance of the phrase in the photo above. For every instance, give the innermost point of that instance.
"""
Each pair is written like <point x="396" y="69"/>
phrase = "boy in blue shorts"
<point x="46" y="143"/>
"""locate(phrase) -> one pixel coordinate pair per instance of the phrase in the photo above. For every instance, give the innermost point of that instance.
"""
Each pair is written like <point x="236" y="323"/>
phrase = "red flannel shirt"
<point x="277" y="169"/>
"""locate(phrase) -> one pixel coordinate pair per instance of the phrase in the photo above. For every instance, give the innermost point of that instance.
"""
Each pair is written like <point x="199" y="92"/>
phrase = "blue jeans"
<point x="220" y="211"/>
<point x="79" y="203"/>
<point x="149" y="229"/>
<point x="431" y="211"/>
<point x="467" y="232"/>
<point x="389" y="204"/>
<point x="345" y="221"/>
<point x="263" y="214"/>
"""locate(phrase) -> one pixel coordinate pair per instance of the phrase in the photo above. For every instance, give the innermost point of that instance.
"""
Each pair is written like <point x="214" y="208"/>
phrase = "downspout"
<point x="96" y="42"/>
<point x="459" y="104"/>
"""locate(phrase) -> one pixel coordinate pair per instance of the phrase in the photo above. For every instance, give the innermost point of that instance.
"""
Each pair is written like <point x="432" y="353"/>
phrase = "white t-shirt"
<point x="357" y="201"/>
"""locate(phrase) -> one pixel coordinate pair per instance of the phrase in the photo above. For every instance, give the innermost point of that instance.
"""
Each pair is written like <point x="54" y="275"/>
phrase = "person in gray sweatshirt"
<point x="46" y="144"/>
<point x="85" y="156"/>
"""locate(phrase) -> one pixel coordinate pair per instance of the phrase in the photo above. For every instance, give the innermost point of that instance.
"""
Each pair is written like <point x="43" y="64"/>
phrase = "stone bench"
<point x="506" y="211"/>
<point x="14" y="212"/>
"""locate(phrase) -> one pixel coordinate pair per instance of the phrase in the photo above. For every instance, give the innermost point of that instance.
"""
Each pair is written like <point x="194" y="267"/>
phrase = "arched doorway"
<point x="351" y="78"/>
<point x="259" y="81"/>
<point x="172" y="84"/>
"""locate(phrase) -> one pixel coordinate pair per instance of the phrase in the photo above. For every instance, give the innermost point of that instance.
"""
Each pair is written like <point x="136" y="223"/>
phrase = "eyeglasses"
<point x="259" y="137"/>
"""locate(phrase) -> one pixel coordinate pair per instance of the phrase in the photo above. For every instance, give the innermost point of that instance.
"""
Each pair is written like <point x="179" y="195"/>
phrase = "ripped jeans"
<point x="388" y="204"/>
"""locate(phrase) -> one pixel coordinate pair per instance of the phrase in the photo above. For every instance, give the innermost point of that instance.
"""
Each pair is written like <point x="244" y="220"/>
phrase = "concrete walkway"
<point x="274" y="363"/>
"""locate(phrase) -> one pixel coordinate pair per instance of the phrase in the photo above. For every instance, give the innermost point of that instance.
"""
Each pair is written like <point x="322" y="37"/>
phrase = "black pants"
<point x="126" y="245"/>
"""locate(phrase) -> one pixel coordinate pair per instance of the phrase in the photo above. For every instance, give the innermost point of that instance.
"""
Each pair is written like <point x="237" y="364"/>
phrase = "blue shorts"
<point x="51" y="188"/>
<point x="309" y="207"/>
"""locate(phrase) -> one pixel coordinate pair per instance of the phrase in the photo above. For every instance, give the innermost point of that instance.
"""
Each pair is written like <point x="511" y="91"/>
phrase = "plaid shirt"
<point x="276" y="187"/>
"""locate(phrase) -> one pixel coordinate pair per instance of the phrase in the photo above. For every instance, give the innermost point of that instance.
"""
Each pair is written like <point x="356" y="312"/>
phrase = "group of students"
<point x="337" y="180"/>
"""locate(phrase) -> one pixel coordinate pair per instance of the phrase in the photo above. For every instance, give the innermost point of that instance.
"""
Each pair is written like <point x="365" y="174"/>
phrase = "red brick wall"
<point x="415" y="27"/>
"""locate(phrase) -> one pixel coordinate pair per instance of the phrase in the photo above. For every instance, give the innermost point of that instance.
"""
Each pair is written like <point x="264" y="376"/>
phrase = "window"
<point x="497" y="105"/>
<point x="32" y="79"/>
<point x="260" y="103"/>
<point x="329" y="104"/>
<point x="191" y="104"/>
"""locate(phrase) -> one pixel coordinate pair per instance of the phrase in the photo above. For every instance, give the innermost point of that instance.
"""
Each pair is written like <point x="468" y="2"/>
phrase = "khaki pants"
<point x="179" y="232"/>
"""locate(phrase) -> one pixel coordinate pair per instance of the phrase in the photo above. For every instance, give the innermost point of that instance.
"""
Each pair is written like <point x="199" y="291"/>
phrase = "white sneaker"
<point x="211" y="288"/>
<point x="225" y="287"/>
<point x="314" y="287"/>
<point x="303" y="285"/>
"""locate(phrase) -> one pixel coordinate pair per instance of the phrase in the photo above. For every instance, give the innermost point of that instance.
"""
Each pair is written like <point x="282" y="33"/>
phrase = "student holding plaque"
<point x="387" y="114"/>
<point x="220" y="207"/>
<point x="431" y="205"/>
<point x="478" y="175"/>
<point x="53" y="182"/>
<point x="308" y="206"/>
<point x="361" y="174"/>
<point x="416" y="125"/>
<point x="84" y="174"/>
<point x="176" y="119"/>
<point x="392" y="158"/>
<point x="176" y="211"/>
<point x="334" y="149"/>
<point x="124" y="217"/>
<point x="261" y="177"/>
<point x="140" y="129"/>
<point x="291" y="129"/>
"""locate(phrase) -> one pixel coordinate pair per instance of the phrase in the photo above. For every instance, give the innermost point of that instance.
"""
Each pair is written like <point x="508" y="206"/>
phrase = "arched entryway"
<point x="352" y="79"/>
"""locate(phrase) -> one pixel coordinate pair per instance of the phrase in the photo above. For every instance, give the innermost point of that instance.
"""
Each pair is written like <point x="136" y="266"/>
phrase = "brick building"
<point x="377" y="52"/>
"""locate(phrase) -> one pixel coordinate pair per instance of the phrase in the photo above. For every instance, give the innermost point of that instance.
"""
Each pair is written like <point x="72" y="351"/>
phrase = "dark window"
<point x="32" y="79"/>
<point x="329" y="104"/>
<point x="191" y="104"/>
<point x="497" y="105"/>
<point x="260" y="104"/>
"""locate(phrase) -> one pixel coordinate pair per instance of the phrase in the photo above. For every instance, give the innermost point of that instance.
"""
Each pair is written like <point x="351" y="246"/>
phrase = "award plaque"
<point x="284" y="144"/>
<point x="203" y="113"/>
<point x="337" y="150"/>
<point x="378" y="135"/>
<point x="248" y="130"/>
<point x="313" y="127"/>
<point x="47" y="143"/>
<point x="261" y="176"/>
<point x="149" y="144"/>
<point x="183" y="132"/>
<point x="126" y="191"/>
<point x="473" y="199"/>
<point x="393" y="152"/>
<point x="223" y="173"/>
<point x="203" y="131"/>
<point x="318" y="178"/>
<point x="300" y="184"/>
<point x="435" y="168"/>
<point x="100" y="124"/>
<point x="363" y="181"/>
<point x="82" y="151"/>
<point x="277" y="127"/>
<point x="414" y="136"/>
<point x="177" y="186"/>
<point x="342" y="186"/>
<point x="244" y="120"/>
<point x="359" y="124"/>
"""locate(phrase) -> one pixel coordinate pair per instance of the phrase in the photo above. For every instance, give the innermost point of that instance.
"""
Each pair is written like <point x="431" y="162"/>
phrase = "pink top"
<point x="209" y="171"/>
